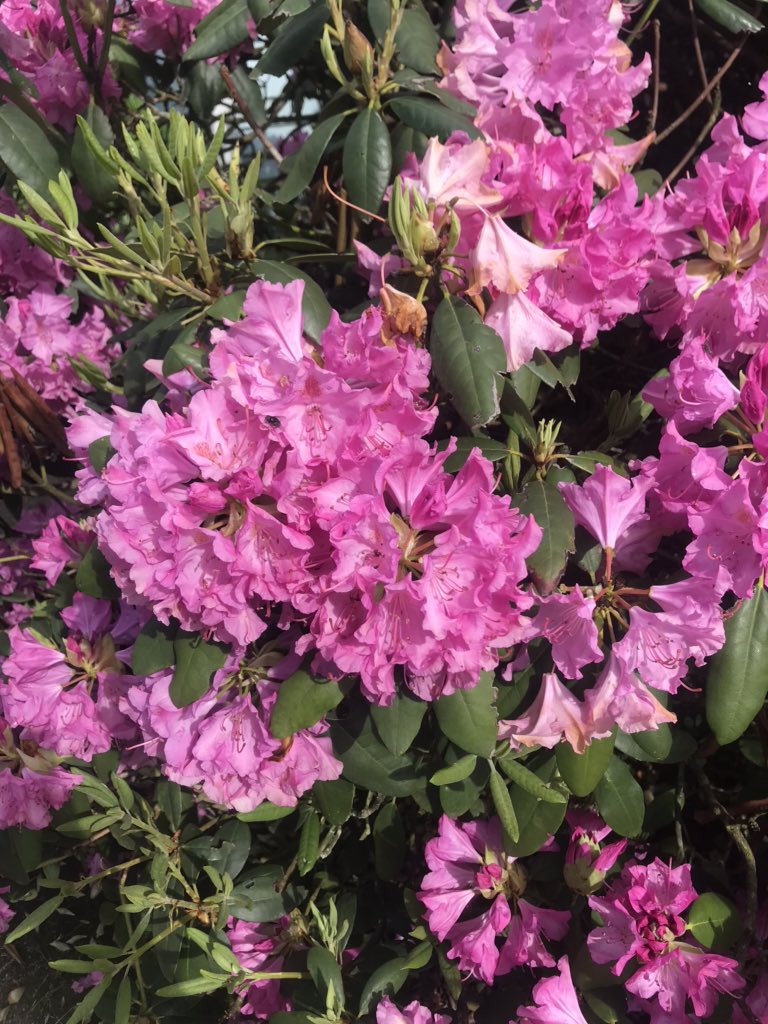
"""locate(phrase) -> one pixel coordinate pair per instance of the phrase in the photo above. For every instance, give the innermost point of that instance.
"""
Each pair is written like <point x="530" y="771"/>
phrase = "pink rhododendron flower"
<point x="695" y="393"/>
<point x="586" y="861"/>
<point x="607" y="504"/>
<point x="567" y="621"/>
<point x="506" y="260"/>
<point x="413" y="1013"/>
<point x="467" y="866"/>
<point x="524" y="328"/>
<point x="555" y="998"/>
<point x="264" y="948"/>
<point x="32" y="785"/>
<point x="724" y="547"/>
<point x="62" y="543"/>
<point x="65" y="697"/>
<point x="642" y="923"/>
<point x="165" y="26"/>
<point x="6" y="913"/>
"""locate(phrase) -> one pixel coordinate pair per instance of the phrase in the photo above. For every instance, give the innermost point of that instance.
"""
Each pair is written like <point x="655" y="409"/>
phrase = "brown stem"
<point x="654" y="113"/>
<point x="697" y="142"/>
<point x="702" y="95"/>
<point x="697" y="45"/>
<point x="258" y="131"/>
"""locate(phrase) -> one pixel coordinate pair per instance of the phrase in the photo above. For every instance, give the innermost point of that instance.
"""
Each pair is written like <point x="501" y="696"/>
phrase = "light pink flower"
<point x="607" y="504"/>
<point x="555" y="998"/>
<point x="413" y="1013"/>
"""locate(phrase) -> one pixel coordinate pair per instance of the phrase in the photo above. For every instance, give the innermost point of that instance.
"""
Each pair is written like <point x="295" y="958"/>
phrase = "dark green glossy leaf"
<point x="153" y="648"/>
<point x="368" y="763"/>
<point x="490" y="449"/>
<point x="93" y="576"/>
<point x="386" y="980"/>
<point x="35" y="918"/>
<point x="537" y="819"/>
<point x="620" y="800"/>
<point x="545" y="503"/>
<point x="100" y="452"/>
<point x="714" y="921"/>
<point x="295" y="36"/>
<point x="530" y="782"/>
<point x="388" y="842"/>
<point x="301" y="702"/>
<point x="196" y="662"/>
<point x="468" y="717"/>
<point x="398" y="724"/>
<point x="266" y="812"/>
<point x="225" y="27"/>
<point x="309" y="843"/>
<point x="467" y="358"/>
<point x="255" y="898"/>
<point x="504" y="808"/>
<point x="89" y="170"/>
<point x="456" y="772"/>
<point x="432" y="118"/>
<point x="367" y="160"/>
<point x="582" y="772"/>
<point x="302" y="165"/>
<point x="334" y="798"/>
<point x="456" y="798"/>
<point x="729" y="15"/>
<point x="326" y="974"/>
<point x="26" y="151"/>
<point x="416" y="42"/>
<point x="737" y="681"/>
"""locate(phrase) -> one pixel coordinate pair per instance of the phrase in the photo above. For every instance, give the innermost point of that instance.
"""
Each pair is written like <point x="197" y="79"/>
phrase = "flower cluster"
<point x="297" y="481"/>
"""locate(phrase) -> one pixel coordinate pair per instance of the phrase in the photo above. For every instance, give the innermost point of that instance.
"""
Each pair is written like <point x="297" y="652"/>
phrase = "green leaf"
<point x="228" y="307"/>
<point x="184" y="356"/>
<point x="302" y="165"/>
<point x="468" y="717"/>
<point x="542" y="500"/>
<point x="503" y="804"/>
<point x="254" y="897"/>
<point x="326" y="974"/>
<point x="266" y="812"/>
<point x="456" y="772"/>
<point x="309" y="844"/>
<point x="651" y="745"/>
<point x="314" y="305"/>
<point x="714" y="921"/>
<point x="251" y="94"/>
<point x="193" y="987"/>
<point x="227" y="849"/>
<point x="417" y="41"/>
<point x="367" y="160"/>
<point x="588" y="460"/>
<point x="368" y="763"/>
<point x="492" y="450"/>
<point x="91" y="171"/>
<point x="26" y="151"/>
<point x="93" y="577"/>
<point x="456" y="798"/>
<point x="123" y="1001"/>
<point x="737" y="681"/>
<point x="582" y="772"/>
<point x="620" y="800"/>
<point x="467" y="358"/>
<point x="537" y="819"/>
<point x="386" y="980"/>
<point x="729" y="15"/>
<point x="388" y="843"/>
<point x="334" y="799"/>
<point x="398" y="724"/>
<point x="301" y="702"/>
<point x="100" y="452"/>
<point x="196" y="662"/>
<point x="153" y="648"/>
<point x="529" y="781"/>
<point x="432" y="118"/>
<point x="295" y="37"/>
<point x="34" y="919"/>
<point x="225" y="27"/>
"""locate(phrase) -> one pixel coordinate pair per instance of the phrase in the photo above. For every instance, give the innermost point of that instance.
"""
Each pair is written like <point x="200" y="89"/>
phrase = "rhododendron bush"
<point x="384" y="455"/>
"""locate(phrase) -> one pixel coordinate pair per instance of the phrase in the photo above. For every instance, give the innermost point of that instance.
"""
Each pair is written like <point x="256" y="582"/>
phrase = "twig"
<point x="74" y="42"/>
<point x="697" y="45"/>
<point x="703" y="94"/>
<point x="258" y="131"/>
<point x="656" y="75"/>
<point x="679" y="166"/>
<point x="346" y="202"/>
<point x="106" y="39"/>
<point x="642" y="21"/>
<point x="737" y="834"/>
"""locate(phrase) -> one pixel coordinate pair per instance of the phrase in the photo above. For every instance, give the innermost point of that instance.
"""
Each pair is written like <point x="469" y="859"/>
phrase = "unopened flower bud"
<point x="358" y="52"/>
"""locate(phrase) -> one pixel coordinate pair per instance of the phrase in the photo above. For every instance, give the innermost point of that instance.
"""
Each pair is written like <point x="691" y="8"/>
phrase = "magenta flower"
<point x="413" y="1013"/>
<point x="567" y="621"/>
<point x="586" y="861"/>
<point x="643" y="924"/>
<point x="5" y="911"/>
<point x="468" y="870"/>
<point x="264" y="948"/>
<point x="696" y="392"/>
<point x="31" y="782"/>
<point x="607" y="504"/>
<point x="555" y="998"/>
